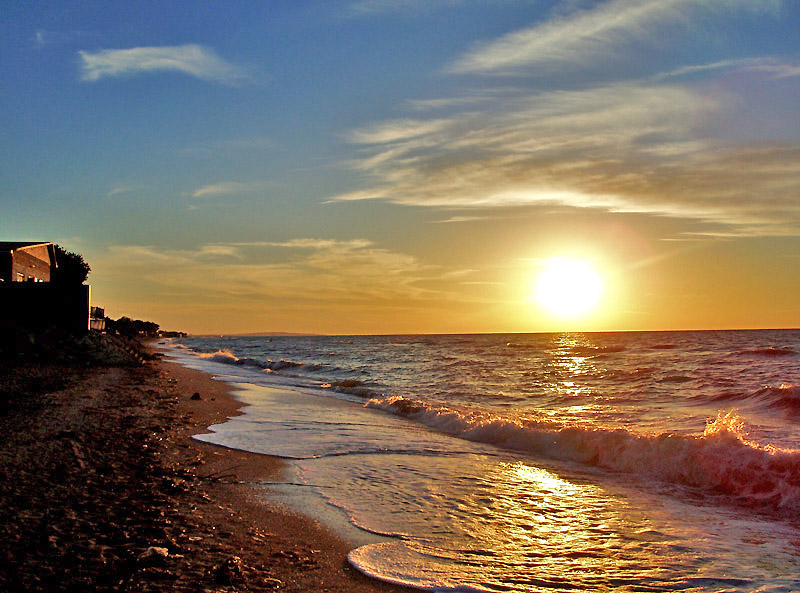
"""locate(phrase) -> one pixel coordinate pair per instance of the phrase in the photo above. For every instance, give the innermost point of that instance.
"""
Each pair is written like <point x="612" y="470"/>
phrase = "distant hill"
<point x="262" y="335"/>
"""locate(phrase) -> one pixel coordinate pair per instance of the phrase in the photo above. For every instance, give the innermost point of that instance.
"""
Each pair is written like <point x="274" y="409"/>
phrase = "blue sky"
<point x="406" y="166"/>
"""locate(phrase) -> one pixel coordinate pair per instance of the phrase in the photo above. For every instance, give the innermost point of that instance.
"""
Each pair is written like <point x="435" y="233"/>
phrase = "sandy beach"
<point x="103" y="489"/>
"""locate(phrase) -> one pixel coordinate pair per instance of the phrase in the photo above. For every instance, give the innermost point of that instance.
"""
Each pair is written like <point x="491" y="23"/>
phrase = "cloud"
<point x="636" y="147"/>
<point x="460" y="219"/>
<point x="229" y="188"/>
<point x="43" y="37"/>
<point x="303" y="269"/>
<point x="585" y="36"/>
<point x="326" y="244"/>
<point x="194" y="60"/>
<point x="444" y="103"/>
<point x="378" y="7"/>
<point x="779" y="70"/>
<point x="393" y="131"/>
<point x="770" y="66"/>
<point x="120" y="189"/>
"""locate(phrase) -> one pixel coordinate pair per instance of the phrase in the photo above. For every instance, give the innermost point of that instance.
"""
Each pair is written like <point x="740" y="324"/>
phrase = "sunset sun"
<point x="568" y="288"/>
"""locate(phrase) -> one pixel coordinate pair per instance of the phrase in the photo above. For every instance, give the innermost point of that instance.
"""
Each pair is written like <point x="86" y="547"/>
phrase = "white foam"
<point x="721" y="459"/>
<point x="397" y="563"/>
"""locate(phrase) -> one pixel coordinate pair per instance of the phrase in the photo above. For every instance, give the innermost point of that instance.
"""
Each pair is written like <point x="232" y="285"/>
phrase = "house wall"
<point x="5" y="266"/>
<point x="28" y="305"/>
<point x="30" y="264"/>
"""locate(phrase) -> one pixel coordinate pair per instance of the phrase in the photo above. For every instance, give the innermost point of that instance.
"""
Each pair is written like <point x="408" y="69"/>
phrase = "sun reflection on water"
<point x="495" y="525"/>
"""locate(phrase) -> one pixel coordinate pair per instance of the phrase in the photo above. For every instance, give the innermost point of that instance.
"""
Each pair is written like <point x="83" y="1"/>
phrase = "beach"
<point x="124" y="471"/>
<point x="104" y="489"/>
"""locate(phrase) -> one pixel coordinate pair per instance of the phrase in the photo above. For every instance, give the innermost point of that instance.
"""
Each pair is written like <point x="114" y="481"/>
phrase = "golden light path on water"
<point x="523" y="527"/>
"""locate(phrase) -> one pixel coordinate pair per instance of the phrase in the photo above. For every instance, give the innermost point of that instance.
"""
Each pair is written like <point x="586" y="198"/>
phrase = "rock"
<point x="272" y="583"/>
<point x="80" y="459"/>
<point x="228" y="572"/>
<point x="154" y="555"/>
<point x="196" y="396"/>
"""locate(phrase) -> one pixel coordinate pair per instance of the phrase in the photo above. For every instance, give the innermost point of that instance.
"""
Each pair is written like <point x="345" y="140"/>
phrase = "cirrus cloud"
<point x="230" y="188"/>
<point x="308" y="269"/>
<point x="193" y="60"/>
<point x="584" y="36"/>
<point x="636" y="147"/>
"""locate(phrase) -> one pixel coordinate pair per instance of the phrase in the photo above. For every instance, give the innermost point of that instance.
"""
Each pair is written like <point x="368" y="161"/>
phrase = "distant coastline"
<point x="255" y="335"/>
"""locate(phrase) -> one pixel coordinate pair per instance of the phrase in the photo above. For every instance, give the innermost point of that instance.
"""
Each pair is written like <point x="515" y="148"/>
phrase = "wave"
<point x="720" y="460"/>
<point x="594" y="350"/>
<point x="785" y="396"/>
<point x="221" y="356"/>
<point x="349" y="386"/>
<point x="519" y="346"/>
<point x="771" y="352"/>
<point x="279" y="365"/>
<point x="400" y="564"/>
<point x="225" y="356"/>
<point x="675" y="379"/>
<point x="571" y="350"/>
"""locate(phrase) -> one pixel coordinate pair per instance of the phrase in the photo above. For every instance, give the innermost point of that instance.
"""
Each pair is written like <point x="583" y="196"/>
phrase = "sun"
<point x="568" y="288"/>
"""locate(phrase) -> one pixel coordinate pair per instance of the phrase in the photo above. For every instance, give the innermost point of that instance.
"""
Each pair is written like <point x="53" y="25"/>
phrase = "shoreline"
<point x="103" y="488"/>
<point x="309" y="546"/>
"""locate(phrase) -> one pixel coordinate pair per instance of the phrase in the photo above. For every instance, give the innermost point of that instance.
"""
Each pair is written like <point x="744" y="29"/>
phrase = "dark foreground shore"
<point x="102" y="487"/>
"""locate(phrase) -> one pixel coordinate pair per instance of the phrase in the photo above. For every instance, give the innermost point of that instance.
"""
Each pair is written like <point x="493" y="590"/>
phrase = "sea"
<point x="636" y="461"/>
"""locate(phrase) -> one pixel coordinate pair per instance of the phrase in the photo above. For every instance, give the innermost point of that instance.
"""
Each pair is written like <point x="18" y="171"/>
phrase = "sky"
<point x="410" y="166"/>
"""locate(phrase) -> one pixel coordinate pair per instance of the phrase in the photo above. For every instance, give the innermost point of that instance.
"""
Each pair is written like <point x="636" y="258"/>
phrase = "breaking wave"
<point x="349" y="386"/>
<point x="227" y="357"/>
<point x="721" y="460"/>
<point x="221" y="356"/>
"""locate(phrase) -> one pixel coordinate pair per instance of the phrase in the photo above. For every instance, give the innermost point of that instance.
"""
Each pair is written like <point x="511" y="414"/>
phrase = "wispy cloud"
<point x="326" y="244"/>
<point x="778" y="70"/>
<point x="120" y="189"/>
<point x="445" y="103"/>
<point x="583" y="37"/>
<point x="397" y="130"/>
<point x="229" y="188"/>
<point x="43" y="38"/>
<point x="310" y="269"/>
<point x="461" y="218"/>
<point x="770" y="66"/>
<point x="377" y="7"/>
<point x="637" y="147"/>
<point x="193" y="60"/>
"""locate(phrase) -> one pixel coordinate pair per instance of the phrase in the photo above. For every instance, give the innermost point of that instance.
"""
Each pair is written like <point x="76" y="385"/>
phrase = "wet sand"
<point x="103" y="488"/>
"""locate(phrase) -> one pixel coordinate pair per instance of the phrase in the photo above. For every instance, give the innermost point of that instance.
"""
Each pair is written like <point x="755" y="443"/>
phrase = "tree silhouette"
<point x="71" y="267"/>
<point x="125" y="326"/>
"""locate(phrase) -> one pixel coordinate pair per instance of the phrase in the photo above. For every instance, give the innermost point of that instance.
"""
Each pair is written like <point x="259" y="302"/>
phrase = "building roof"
<point x="12" y="245"/>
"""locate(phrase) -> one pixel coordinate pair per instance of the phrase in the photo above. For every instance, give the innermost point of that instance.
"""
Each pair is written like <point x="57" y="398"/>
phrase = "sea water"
<point x="652" y="461"/>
